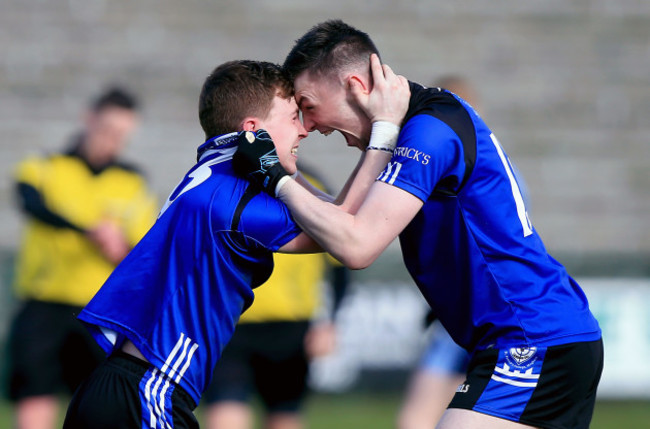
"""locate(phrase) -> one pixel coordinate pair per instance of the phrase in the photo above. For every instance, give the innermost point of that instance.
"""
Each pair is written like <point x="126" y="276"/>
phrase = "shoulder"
<point x="35" y="167"/>
<point x="129" y="167"/>
<point x="443" y="106"/>
<point x="126" y="174"/>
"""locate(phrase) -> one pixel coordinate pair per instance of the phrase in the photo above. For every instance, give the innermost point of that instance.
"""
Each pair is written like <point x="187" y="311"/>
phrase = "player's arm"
<point x="108" y="238"/>
<point x="385" y="104"/>
<point x="302" y="243"/>
<point x="312" y="189"/>
<point x="33" y="203"/>
<point x="307" y="242"/>
<point x="354" y="239"/>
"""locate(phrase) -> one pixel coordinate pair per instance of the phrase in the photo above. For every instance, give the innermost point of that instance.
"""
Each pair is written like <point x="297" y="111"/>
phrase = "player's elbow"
<point x="358" y="259"/>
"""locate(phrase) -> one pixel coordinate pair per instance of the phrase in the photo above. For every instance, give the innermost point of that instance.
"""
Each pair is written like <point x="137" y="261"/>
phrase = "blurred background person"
<point x="84" y="210"/>
<point x="269" y="354"/>
<point x="443" y="365"/>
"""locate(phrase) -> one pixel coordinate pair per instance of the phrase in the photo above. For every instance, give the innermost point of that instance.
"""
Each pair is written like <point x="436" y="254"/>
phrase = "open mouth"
<point x="327" y="133"/>
<point x="294" y="151"/>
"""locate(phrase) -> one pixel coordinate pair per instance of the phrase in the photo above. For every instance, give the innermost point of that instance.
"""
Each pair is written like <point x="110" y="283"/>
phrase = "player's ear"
<point x="359" y="83"/>
<point x="250" y="124"/>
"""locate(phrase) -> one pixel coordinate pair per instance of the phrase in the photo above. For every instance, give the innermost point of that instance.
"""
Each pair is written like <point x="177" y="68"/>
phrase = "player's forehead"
<point x="283" y="106"/>
<point x="311" y="87"/>
<point x="304" y="88"/>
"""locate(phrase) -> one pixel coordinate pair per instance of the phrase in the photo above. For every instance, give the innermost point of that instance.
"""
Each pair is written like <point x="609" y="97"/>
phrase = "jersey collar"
<point x="215" y="144"/>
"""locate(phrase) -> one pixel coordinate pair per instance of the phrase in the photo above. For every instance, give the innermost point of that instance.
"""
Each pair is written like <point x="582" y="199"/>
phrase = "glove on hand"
<point x="257" y="160"/>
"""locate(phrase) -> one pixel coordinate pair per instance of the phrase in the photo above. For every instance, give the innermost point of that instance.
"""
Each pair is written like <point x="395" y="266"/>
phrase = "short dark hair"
<point x="237" y="89"/>
<point x="115" y="96"/>
<point x="328" y="47"/>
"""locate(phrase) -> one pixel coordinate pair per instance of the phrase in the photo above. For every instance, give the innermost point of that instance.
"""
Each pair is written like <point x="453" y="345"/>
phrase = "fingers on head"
<point x="388" y="72"/>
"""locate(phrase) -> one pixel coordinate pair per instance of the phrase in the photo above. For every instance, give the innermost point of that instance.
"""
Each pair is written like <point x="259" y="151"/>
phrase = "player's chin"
<point x="290" y="165"/>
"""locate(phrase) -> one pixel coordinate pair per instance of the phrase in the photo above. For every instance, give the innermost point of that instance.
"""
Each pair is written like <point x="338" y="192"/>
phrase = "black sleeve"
<point x="31" y="201"/>
<point x="340" y="278"/>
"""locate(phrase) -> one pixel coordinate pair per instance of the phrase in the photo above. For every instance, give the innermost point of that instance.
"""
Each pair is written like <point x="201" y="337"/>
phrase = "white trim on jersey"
<point x="516" y="192"/>
<point x="388" y="176"/>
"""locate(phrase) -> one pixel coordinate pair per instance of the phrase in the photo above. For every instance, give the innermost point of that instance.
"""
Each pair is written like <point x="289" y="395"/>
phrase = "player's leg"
<point x="456" y="418"/>
<point x="546" y="387"/>
<point x="427" y="398"/>
<point x="284" y="420"/>
<point x="281" y="369"/>
<point x="440" y="371"/>
<point x="34" y="343"/>
<point x="228" y="415"/>
<point x="37" y="412"/>
<point x="226" y="401"/>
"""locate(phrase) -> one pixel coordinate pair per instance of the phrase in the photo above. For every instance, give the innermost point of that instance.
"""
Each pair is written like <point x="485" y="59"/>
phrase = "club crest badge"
<point x="521" y="356"/>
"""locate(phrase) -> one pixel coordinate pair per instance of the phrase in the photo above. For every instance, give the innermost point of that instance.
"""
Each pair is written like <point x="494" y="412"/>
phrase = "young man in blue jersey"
<point x="449" y="193"/>
<point x="167" y="311"/>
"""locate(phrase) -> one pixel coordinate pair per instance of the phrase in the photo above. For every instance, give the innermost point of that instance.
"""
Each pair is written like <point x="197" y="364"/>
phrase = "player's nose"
<point x="302" y="131"/>
<point x="308" y="123"/>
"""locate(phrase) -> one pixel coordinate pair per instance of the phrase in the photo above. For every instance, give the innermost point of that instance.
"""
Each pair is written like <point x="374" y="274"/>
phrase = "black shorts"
<point x="118" y="394"/>
<point x="547" y="387"/>
<point x="50" y="351"/>
<point x="267" y="358"/>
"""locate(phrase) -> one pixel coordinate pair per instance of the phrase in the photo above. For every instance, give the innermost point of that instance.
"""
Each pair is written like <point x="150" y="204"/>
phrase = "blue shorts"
<point x="443" y="355"/>
<point x="547" y="387"/>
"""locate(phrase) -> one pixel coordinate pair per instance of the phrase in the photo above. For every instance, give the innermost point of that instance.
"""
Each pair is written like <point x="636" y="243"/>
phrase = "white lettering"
<point x="412" y="153"/>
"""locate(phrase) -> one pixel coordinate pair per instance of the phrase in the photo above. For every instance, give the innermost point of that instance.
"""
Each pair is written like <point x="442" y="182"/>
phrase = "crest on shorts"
<point x="522" y="355"/>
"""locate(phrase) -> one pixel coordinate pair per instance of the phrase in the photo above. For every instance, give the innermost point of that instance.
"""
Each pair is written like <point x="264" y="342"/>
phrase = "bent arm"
<point x="354" y="239"/>
<point x="371" y="164"/>
<point x="302" y="180"/>
<point x="364" y="175"/>
<point x="302" y="243"/>
<point x="32" y="203"/>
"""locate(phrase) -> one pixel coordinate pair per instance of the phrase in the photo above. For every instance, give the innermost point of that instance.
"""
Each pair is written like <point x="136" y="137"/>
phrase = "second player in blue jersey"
<point x="449" y="192"/>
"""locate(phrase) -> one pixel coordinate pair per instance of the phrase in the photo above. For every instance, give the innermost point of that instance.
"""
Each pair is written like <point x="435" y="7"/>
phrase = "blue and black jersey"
<point x="472" y="249"/>
<point x="178" y="295"/>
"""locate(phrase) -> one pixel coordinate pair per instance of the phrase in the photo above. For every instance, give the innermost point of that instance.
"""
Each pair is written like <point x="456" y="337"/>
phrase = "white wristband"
<point x="282" y="181"/>
<point x="383" y="136"/>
